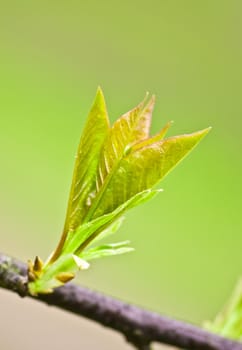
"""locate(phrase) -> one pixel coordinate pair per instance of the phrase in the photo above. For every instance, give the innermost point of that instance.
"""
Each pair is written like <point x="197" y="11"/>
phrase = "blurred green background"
<point x="53" y="55"/>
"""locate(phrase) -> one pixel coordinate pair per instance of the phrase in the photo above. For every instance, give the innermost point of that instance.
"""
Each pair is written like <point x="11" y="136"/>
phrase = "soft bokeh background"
<point x="188" y="240"/>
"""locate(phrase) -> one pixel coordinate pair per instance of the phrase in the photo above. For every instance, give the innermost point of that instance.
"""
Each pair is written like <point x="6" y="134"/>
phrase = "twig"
<point x="140" y="327"/>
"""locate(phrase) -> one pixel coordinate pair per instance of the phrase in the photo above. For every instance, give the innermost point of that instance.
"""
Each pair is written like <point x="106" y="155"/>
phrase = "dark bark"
<point x="140" y="327"/>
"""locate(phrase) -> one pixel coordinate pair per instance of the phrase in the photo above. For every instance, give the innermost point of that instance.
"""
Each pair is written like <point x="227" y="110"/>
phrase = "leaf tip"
<point x="145" y="100"/>
<point x="82" y="264"/>
<point x="153" y="98"/>
<point x="207" y="130"/>
<point x="99" y="98"/>
<point x="99" y="91"/>
<point x="150" y="103"/>
<point x="202" y="133"/>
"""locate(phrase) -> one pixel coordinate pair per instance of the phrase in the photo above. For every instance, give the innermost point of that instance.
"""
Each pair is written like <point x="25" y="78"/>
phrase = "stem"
<point x="140" y="327"/>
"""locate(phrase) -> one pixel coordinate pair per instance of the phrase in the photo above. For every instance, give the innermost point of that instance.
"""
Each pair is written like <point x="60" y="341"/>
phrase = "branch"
<point x="140" y="327"/>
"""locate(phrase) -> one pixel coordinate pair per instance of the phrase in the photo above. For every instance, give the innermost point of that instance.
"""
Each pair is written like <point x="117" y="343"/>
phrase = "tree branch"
<point x="140" y="327"/>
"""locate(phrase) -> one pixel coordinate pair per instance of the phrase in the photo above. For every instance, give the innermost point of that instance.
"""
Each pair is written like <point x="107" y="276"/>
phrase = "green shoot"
<point x="116" y="169"/>
<point x="228" y="323"/>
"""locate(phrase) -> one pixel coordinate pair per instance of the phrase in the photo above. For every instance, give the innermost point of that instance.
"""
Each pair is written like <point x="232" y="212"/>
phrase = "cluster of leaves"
<point x="116" y="169"/>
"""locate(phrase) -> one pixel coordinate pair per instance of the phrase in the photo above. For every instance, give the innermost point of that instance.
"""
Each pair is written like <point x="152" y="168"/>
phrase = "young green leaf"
<point x="86" y="164"/>
<point x="129" y="129"/>
<point x="143" y="168"/>
<point x="228" y="322"/>
<point x="106" y="250"/>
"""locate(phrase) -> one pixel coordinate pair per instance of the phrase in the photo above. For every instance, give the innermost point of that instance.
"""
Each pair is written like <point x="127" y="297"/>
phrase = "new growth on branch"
<point x="116" y="169"/>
